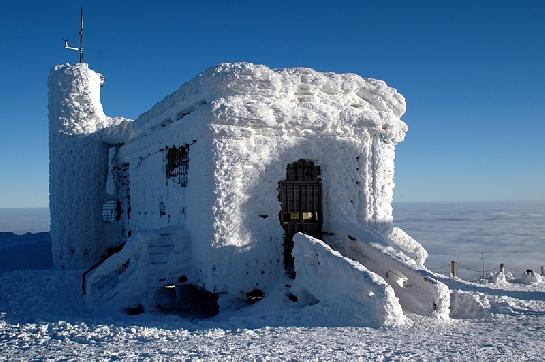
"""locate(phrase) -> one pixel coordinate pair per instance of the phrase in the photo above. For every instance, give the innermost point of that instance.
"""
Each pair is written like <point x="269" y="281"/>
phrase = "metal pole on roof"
<point x="81" y="36"/>
<point x="80" y="49"/>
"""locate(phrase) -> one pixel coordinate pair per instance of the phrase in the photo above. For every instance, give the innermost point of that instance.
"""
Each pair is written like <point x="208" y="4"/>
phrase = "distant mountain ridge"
<point x="27" y="237"/>
<point x="26" y="251"/>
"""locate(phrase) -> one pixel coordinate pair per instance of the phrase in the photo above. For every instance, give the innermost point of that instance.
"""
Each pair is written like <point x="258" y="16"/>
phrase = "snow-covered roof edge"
<point x="78" y="87"/>
<point x="250" y="94"/>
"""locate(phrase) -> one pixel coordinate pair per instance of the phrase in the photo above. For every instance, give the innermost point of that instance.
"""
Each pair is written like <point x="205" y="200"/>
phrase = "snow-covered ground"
<point x="42" y="316"/>
<point x="42" y="312"/>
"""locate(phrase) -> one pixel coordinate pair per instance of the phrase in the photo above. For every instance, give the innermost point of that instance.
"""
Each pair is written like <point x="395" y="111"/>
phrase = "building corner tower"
<point x="77" y="165"/>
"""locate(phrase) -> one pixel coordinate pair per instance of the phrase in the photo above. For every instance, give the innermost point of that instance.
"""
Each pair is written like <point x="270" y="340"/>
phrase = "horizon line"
<point x="393" y="202"/>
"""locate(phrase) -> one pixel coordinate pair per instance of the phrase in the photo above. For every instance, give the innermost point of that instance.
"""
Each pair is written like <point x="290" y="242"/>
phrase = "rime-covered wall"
<point x="159" y="201"/>
<point x="77" y="167"/>
<point x="249" y="163"/>
<point x="248" y="123"/>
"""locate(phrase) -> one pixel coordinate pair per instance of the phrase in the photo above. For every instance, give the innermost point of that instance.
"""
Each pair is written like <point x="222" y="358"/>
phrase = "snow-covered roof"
<point x="247" y="94"/>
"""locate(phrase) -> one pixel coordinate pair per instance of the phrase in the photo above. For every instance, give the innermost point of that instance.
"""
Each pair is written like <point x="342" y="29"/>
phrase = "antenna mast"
<point x="80" y="49"/>
<point x="81" y="36"/>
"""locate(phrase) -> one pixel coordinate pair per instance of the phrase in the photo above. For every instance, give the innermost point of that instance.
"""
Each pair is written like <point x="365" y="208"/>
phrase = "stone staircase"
<point x="164" y="255"/>
<point x="160" y="249"/>
<point x="149" y="260"/>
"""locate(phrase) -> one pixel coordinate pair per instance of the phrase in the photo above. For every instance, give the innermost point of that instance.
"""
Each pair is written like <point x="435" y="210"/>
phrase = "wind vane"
<point x="80" y="49"/>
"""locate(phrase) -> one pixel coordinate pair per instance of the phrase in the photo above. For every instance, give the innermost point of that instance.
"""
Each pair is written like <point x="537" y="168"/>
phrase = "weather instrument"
<point x="80" y="49"/>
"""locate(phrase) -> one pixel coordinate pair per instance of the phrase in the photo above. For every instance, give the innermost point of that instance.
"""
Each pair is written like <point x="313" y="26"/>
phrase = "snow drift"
<point x="347" y="291"/>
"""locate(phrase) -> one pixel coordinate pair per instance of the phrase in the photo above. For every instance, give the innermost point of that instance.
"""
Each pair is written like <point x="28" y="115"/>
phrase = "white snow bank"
<point x="347" y="291"/>
<point x="418" y="291"/>
<point x="408" y="245"/>
<point x="469" y="305"/>
<point x="499" y="278"/>
<point x="531" y="277"/>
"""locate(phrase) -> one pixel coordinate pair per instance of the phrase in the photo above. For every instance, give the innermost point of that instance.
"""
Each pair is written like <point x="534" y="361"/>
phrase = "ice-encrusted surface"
<point x="399" y="238"/>
<point x="42" y="317"/>
<point x="78" y="160"/>
<point x="76" y="168"/>
<point x="247" y="94"/>
<point x="362" y="298"/>
<point x="74" y="100"/>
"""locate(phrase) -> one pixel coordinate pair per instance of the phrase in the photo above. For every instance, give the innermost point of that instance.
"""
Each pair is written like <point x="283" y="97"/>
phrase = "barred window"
<point x="178" y="164"/>
<point x="111" y="211"/>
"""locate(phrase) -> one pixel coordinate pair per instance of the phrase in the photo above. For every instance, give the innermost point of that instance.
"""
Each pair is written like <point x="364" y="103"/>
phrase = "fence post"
<point x="452" y="268"/>
<point x="502" y="268"/>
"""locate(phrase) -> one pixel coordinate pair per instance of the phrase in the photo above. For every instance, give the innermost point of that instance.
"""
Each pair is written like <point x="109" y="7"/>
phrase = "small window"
<point x="178" y="164"/>
<point x="111" y="211"/>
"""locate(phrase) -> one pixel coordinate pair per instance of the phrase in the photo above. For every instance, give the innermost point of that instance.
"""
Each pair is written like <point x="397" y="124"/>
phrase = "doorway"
<point x="300" y="196"/>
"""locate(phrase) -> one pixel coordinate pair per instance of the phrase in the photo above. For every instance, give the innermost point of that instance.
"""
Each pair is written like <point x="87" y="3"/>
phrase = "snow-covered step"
<point x="119" y="277"/>
<point x="146" y="261"/>
<point x="159" y="250"/>
<point x="166" y="255"/>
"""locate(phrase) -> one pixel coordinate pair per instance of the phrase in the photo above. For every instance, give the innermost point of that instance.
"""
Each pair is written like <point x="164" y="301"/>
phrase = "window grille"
<point x="178" y="164"/>
<point x="300" y="196"/>
<point x="111" y="211"/>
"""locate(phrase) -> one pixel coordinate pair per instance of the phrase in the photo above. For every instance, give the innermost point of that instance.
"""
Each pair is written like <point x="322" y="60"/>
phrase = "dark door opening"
<point x="300" y="196"/>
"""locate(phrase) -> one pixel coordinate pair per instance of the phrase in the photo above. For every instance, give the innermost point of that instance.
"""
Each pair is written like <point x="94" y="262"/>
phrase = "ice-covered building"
<point x="208" y="188"/>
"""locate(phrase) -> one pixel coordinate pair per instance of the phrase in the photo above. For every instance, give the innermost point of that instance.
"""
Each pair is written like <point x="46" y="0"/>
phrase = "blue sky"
<point x="473" y="74"/>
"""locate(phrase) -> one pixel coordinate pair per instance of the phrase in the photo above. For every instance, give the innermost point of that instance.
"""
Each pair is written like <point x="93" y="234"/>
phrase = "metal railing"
<point x="111" y="251"/>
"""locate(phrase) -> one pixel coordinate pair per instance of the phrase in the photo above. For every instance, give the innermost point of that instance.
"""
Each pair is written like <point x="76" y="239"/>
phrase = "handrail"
<point x="111" y="251"/>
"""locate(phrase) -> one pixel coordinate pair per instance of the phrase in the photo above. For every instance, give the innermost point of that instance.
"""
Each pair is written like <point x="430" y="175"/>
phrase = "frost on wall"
<point x="177" y="166"/>
<point x="77" y="168"/>
<point x="263" y="120"/>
